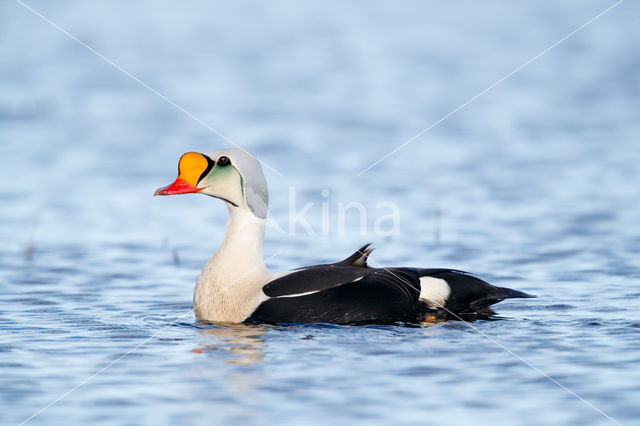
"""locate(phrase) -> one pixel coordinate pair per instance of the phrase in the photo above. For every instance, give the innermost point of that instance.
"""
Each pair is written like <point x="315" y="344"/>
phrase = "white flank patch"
<point x="434" y="291"/>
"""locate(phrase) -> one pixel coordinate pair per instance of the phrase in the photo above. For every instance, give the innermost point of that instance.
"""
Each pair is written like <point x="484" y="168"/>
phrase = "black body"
<point x="350" y="292"/>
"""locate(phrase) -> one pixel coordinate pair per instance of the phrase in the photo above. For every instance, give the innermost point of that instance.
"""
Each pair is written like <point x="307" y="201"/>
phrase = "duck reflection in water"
<point x="243" y="342"/>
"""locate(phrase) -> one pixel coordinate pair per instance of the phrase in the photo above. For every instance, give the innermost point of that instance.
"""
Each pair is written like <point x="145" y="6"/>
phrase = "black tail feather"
<point x="502" y="293"/>
<point x="509" y="293"/>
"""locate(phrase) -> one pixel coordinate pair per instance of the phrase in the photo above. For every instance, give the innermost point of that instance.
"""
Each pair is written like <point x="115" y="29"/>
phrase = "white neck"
<point x="230" y="285"/>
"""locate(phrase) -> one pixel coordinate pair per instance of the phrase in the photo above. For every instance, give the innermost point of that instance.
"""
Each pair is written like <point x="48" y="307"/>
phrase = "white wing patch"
<point x="434" y="291"/>
<point x="298" y="295"/>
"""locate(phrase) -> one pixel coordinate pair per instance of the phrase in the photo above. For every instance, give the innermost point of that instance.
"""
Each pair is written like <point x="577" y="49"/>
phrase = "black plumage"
<point x="380" y="297"/>
<point x="351" y="292"/>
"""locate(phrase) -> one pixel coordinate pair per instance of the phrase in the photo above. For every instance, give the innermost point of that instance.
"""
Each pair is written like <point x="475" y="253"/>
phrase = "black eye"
<point x="223" y="161"/>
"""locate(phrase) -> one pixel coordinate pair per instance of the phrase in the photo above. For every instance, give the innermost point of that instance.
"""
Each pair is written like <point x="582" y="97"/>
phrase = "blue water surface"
<point x="534" y="185"/>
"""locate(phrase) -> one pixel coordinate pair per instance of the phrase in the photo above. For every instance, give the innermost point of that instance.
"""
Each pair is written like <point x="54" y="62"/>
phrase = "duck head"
<point x="232" y="175"/>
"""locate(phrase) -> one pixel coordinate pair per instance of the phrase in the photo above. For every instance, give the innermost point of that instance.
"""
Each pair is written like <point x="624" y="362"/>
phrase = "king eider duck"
<point x="235" y="285"/>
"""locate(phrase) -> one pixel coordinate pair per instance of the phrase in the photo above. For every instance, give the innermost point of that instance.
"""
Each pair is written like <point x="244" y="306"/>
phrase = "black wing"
<point x="380" y="296"/>
<point x="321" y="277"/>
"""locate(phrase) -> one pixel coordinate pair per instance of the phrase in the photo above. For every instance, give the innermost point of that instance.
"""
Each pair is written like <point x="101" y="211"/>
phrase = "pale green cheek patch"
<point x="226" y="183"/>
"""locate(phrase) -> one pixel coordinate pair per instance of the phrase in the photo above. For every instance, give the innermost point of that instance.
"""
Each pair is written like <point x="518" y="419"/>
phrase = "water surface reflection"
<point x="245" y="343"/>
